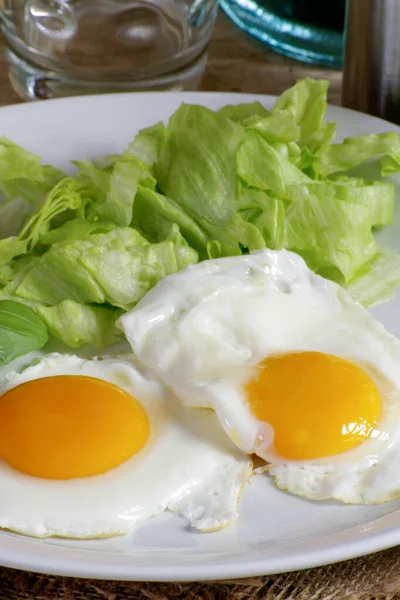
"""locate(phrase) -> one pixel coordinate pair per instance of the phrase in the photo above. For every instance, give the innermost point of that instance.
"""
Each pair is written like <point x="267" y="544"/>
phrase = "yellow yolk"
<point x="69" y="426"/>
<point x="317" y="404"/>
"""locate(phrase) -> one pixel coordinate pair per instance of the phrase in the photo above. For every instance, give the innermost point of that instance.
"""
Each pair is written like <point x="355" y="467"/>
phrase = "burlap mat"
<point x="376" y="576"/>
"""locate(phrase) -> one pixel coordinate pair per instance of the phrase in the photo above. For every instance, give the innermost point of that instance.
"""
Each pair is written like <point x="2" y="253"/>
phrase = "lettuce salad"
<point x="207" y="184"/>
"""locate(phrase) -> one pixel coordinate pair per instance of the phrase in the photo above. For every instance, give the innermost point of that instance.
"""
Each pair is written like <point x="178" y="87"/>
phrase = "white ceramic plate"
<point x="275" y="532"/>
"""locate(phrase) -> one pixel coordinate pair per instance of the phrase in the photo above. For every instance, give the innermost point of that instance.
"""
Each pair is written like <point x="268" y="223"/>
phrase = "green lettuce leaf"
<point x="13" y="215"/>
<point x="297" y="118"/>
<point x="117" y="267"/>
<point x="59" y="275"/>
<point x="146" y="145"/>
<point x="32" y="190"/>
<point x="241" y="112"/>
<point x="63" y="197"/>
<point x="354" y="151"/>
<point x="196" y="166"/>
<point x="334" y="237"/>
<point x="15" y="271"/>
<point x="110" y="193"/>
<point x="15" y="162"/>
<point x="377" y="196"/>
<point x="154" y="214"/>
<point x="306" y="103"/>
<point x="76" y="229"/>
<point x="266" y="213"/>
<point x="261" y="166"/>
<point x="234" y="238"/>
<point x="10" y="248"/>
<point x="379" y="279"/>
<point x="184" y="253"/>
<point x="279" y="126"/>
<point x="77" y="325"/>
<point x="125" y="276"/>
<point x="23" y="175"/>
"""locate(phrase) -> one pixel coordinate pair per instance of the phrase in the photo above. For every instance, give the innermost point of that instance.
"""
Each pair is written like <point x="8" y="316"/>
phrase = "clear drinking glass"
<point x="69" y="47"/>
<point x="309" y="30"/>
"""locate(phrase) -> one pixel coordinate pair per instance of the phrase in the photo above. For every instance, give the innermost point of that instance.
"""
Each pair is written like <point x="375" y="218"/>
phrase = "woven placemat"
<point x="376" y="576"/>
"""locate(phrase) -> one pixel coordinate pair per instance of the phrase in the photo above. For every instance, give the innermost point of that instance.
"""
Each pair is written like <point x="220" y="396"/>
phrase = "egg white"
<point x="188" y="466"/>
<point x="203" y="331"/>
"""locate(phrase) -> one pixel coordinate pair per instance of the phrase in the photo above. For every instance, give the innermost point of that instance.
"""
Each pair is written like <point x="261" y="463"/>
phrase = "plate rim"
<point x="27" y="105"/>
<point x="31" y="554"/>
<point x="77" y="567"/>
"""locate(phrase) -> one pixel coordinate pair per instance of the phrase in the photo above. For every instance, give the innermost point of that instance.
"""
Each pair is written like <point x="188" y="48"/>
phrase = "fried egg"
<point x="91" y="448"/>
<point x="296" y="371"/>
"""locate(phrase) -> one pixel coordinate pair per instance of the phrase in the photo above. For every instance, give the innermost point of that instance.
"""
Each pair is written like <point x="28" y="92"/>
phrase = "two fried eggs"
<point x="292" y="369"/>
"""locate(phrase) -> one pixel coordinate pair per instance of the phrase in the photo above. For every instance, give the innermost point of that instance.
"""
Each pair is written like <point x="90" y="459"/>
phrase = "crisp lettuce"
<point x="377" y="196"/>
<point x="196" y="166"/>
<point x="147" y="144"/>
<point x="237" y="236"/>
<point x="32" y="190"/>
<point x="15" y="162"/>
<point x="22" y="175"/>
<point x="154" y="213"/>
<point x="13" y="214"/>
<point x="110" y="192"/>
<point x="378" y="280"/>
<point x="59" y="275"/>
<point x="117" y="267"/>
<point x="24" y="183"/>
<point x="20" y="165"/>
<point x="76" y="229"/>
<point x="63" y="197"/>
<point x="334" y="237"/>
<point x="305" y="103"/>
<point x="127" y="273"/>
<point x="266" y="213"/>
<point x="279" y="126"/>
<point x="14" y="272"/>
<point x="298" y="115"/>
<point x="10" y="248"/>
<point x="77" y="324"/>
<point x="241" y="112"/>
<point x="262" y="166"/>
<point x="355" y="150"/>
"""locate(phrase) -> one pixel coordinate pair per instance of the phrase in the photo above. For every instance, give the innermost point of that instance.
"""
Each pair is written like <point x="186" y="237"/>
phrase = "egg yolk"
<point x="317" y="404"/>
<point x="69" y="426"/>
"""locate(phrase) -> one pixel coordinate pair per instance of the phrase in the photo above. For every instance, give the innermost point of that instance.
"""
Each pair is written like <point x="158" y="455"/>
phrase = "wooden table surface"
<point x="237" y="63"/>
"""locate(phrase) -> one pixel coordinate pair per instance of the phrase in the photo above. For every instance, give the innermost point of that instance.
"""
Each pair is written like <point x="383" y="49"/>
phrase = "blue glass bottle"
<point x="309" y="30"/>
